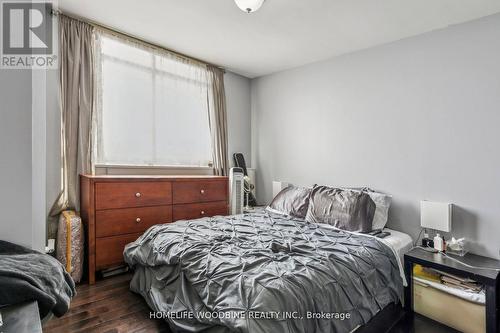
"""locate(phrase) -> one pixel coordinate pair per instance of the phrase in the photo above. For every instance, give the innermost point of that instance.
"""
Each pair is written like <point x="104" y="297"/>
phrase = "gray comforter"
<point x="262" y="273"/>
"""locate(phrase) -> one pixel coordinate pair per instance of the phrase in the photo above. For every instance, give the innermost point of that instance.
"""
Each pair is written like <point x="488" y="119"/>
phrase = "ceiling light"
<point x="249" y="6"/>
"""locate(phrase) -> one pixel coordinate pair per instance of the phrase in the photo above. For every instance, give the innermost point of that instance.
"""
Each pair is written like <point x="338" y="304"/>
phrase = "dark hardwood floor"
<point x="415" y="323"/>
<point x="109" y="306"/>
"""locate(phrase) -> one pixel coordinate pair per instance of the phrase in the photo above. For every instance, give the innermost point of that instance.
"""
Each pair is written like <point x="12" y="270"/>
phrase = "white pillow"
<point x="382" y="202"/>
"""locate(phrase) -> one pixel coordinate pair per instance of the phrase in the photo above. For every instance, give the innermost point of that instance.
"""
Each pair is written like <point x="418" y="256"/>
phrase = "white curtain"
<point x="77" y="93"/>
<point x="153" y="106"/>
<point x="218" y="120"/>
<point x="127" y="102"/>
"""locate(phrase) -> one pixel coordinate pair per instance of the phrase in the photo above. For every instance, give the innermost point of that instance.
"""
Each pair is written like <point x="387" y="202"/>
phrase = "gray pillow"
<point x="343" y="208"/>
<point x="291" y="201"/>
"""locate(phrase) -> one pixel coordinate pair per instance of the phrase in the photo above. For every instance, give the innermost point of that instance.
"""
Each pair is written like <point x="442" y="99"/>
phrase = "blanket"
<point x="28" y="275"/>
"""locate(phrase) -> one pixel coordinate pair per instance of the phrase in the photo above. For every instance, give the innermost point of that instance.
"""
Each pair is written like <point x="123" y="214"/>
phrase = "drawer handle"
<point x="202" y="191"/>
<point x="202" y="212"/>
<point x="138" y="220"/>
<point x="138" y="195"/>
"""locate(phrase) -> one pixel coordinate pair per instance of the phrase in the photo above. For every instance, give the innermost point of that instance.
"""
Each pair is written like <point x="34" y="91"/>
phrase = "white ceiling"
<point x="283" y="33"/>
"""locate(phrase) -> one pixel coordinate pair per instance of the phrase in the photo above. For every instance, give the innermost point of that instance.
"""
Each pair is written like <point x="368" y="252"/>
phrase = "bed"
<point x="263" y="272"/>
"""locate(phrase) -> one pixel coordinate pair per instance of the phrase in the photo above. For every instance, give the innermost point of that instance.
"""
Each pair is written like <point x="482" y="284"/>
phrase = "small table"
<point x="21" y="318"/>
<point x="489" y="278"/>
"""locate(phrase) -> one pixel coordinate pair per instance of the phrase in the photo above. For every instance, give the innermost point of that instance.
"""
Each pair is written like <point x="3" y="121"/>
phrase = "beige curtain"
<point x="77" y="94"/>
<point x="217" y="117"/>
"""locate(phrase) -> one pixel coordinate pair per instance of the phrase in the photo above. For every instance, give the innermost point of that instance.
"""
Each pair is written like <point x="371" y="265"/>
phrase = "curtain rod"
<point x="137" y="39"/>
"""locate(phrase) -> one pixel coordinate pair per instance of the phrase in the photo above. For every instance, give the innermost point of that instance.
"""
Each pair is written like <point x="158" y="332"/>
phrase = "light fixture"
<point x="249" y="6"/>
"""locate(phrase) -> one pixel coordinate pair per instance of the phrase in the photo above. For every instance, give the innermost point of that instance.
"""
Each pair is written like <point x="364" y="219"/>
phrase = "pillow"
<point x="382" y="202"/>
<point x="292" y="201"/>
<point x="343" y="208"/>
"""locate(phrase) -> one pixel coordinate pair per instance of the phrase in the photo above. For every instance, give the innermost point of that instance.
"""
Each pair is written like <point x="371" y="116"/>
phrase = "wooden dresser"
<point x="116" y="210"/>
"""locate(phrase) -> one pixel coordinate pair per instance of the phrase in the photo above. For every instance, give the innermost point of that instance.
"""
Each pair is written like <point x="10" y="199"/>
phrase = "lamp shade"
<point x="278" y="186"/>
<point x="435" y="215"/>
<point x="249" y="6"/>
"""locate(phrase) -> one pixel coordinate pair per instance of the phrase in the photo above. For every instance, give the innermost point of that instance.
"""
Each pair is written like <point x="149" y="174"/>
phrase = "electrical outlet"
<point x="50" y="248"/>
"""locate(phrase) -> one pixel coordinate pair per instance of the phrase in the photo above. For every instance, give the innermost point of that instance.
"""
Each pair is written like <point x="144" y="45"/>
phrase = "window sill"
<point x="117" y="169"/>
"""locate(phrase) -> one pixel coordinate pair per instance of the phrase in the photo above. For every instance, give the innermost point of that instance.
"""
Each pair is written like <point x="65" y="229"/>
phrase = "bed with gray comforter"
<point x="262" y="272"/>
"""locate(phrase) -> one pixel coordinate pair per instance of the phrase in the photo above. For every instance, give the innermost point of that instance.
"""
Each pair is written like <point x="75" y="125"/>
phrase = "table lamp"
<point x="436" y="216"/>
<point x="278" y="186"/>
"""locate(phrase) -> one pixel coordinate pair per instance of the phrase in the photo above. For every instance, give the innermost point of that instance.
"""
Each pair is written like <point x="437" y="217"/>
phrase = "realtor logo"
<point x="27" y="35"/>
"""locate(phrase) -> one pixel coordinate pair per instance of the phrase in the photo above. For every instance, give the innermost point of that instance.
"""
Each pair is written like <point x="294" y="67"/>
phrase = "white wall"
<point x="25" y="97"/>
<point x="53" y="151"/>
<point x="23" y="157"/>
<point x="38" y="158"/>
<point x="15" y="160"/>
<point x="418" y="118"/>
<point x="238" y="115"/>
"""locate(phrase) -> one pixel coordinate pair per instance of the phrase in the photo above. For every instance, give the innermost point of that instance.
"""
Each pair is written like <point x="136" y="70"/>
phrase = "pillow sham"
<point x="382" y="202"/>
<point x="292" y="201"/>
<point x="343" y="208"/>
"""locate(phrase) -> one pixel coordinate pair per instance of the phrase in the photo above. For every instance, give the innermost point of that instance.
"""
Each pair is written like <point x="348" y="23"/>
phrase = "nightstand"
<point x="489" y="278"/>
<point x="21" y="318"/>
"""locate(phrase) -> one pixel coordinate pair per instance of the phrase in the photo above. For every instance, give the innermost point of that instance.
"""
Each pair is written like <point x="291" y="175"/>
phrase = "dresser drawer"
<point x="195" y="211"/>
<point x="121" y="221"/>
<point x="132" y="194"/>
<point x="199" y="191"/>
<point x="109" y="250"/>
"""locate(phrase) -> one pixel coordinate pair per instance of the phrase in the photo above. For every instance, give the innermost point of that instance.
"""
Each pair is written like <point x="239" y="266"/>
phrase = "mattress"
<point x="301" y="276"/>
<point x="400" y="243"/>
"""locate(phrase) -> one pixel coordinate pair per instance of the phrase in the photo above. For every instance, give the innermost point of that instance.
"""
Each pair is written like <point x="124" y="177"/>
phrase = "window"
<point x="153" y="108"/>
